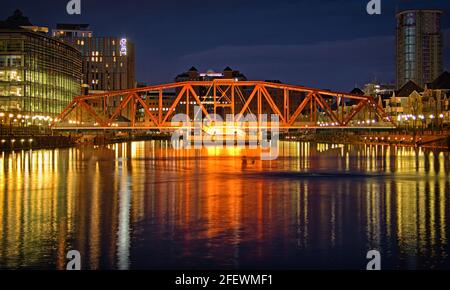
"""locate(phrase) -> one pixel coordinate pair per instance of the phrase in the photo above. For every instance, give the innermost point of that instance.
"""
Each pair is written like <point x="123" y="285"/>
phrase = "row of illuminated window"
<point x="410" y="57"/>
<point x="409" y="65"/>
<point x="100" y="53"/>
<point x="41" y="54"/>
<point x="72" y="33"/>
<point x="86" y="51"/>
<point x="61" y="63"/>
<point x="107" y="81"/>
<point x="32" y="105"/>
<point x="10" y="61"/>
<point x="410" y="48"/>
<point x="36" y="43"/>
<point x="11" y="45"/>
<point x="8" y="89"/>
<point x="45" y="50"/>
<point x="108" y="60"/>
<point x="410" y="31"/>
<point x="44" y="44"/>
<point x="410" y="40"/>
<point x="45" y="78"/>
<point x="409" y="19"/>
<point x="13" y="75"/>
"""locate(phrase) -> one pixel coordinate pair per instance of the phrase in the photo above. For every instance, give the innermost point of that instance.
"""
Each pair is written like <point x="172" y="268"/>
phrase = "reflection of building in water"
<point x="197" y="204"/>
<point x="33" y="211"/>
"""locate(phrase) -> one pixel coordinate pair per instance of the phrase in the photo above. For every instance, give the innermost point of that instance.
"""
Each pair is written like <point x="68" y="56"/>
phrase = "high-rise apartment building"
<point x="108" y="62"/>
<point x="419" y="46"/>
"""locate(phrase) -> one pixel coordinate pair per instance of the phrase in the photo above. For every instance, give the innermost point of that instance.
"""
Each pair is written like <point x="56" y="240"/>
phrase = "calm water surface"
<point x="144" y="205"/>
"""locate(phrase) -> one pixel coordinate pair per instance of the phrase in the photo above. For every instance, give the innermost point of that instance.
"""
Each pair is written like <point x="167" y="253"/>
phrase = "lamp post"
<point x="2" y="115"/>
<point x="11" y="116"/>
<point x="422" y="118"/>
<point x="441" y="120"/>
<point x="432" y="122"/>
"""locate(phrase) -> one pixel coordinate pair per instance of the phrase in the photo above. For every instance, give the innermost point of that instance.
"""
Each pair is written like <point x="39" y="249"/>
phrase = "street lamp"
<point x="441" y="116"/>
<point x="432" y="122"/>
<point x="11" y="116"/>
<point x="422" y="118"/>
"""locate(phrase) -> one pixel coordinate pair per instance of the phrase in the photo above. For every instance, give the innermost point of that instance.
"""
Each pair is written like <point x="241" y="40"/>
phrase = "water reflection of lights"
<point x="123" y="233"/>
<point x="56" y="198"/>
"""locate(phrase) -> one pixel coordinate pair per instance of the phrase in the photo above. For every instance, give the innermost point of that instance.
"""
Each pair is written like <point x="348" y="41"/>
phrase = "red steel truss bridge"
<point x="152" y="107"/>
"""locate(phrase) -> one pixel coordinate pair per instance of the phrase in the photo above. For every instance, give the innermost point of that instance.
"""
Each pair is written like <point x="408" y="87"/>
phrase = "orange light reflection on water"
<point x="105" y="201"/>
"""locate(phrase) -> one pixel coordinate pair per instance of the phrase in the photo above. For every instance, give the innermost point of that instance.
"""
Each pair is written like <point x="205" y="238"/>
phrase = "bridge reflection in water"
<point x="145" y="205"/>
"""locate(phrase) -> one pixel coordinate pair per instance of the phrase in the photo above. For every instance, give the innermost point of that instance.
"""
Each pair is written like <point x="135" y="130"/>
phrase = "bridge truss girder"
<point x="295" y="106"/>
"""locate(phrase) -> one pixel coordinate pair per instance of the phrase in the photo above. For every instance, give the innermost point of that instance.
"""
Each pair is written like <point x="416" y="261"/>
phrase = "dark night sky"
<point x="327" y="44"/>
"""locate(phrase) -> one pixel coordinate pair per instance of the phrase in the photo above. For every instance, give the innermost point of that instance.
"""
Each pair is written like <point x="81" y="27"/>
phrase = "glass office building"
<point x="39" y="75"/>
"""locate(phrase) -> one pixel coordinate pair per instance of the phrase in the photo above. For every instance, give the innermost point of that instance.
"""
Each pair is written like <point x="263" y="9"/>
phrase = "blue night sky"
<point x="327" y="44"/>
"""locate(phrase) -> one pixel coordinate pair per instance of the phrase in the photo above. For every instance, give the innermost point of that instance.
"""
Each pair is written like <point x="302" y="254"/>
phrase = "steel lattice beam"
<point x="288" y="102"/>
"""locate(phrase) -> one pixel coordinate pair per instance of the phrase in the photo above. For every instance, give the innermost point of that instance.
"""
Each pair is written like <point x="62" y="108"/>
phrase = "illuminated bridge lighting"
<point x="296" y="107"/>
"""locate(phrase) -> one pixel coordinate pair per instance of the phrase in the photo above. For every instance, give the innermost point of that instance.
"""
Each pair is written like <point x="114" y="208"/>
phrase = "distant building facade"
<point x="108" y="62"/>
<point x="381" y="92"/>
<point x="39" y="75"/>
<point x="206" y="96"/>
<point x="194" y="75"/>
<point x="412" y="104"/>
<point x="419" y="45"/>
